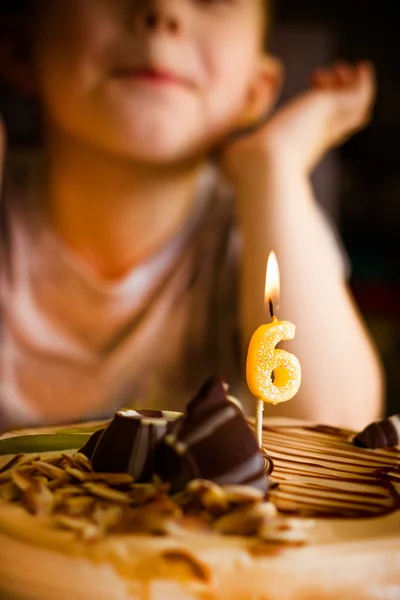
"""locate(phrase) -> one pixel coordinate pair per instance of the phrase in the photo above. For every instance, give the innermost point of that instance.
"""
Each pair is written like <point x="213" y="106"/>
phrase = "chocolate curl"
<point x="128" y="443"/>
<point x="380" y="434"/>
<point x="211" y="441"/>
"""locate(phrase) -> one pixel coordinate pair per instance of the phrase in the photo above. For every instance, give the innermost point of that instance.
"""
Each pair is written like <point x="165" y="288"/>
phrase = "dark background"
<point x="359" y="185"/>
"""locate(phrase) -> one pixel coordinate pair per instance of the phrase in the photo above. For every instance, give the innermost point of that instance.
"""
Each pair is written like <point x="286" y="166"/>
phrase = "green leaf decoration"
<point x="80" y="430"/>
<point x="54" y="442"/>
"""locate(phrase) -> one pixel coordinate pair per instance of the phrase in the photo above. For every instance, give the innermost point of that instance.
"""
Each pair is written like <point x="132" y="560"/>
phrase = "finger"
<point x="367" y="80"/>
<point x="367" y="74"/>
<point x="323" y="78"/>
<point x="345" y="74"/>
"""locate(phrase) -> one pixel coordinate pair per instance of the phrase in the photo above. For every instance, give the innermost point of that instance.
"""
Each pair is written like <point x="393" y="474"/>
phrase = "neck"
<point x="112" y="212"/>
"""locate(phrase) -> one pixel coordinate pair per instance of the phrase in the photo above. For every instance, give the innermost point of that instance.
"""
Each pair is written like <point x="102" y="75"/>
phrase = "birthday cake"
<point x="168" y="506"/>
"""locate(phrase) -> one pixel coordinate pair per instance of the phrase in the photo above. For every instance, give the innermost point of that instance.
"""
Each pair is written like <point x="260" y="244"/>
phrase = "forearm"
<point x="342" y="379"/>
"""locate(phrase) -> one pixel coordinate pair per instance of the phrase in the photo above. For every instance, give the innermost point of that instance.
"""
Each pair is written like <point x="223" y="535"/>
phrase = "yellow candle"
<point x="273" y="375"/>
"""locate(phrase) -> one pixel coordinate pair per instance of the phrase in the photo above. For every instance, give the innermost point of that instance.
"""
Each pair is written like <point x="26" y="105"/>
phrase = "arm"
<point x="342" y="378"/>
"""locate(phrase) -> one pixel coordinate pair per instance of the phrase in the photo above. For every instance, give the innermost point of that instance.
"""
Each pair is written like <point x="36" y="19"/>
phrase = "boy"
<point x="119" y="262"/>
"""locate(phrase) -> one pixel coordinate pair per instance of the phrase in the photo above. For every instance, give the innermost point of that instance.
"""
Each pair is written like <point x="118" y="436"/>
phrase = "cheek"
<point x="230" y="65"/>
<point x="70" y="43"/>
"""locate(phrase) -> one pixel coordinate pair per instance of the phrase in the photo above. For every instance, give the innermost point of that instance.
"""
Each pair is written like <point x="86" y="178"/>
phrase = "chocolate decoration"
<point x="380" y="434"/>
<point x="91" y="444"/>
<point x="128" y="443"/>
<point x="211" y="441"/>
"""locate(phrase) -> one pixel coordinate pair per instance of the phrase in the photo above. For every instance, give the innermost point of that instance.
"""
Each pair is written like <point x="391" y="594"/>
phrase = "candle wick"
<point x="271" y="308"/>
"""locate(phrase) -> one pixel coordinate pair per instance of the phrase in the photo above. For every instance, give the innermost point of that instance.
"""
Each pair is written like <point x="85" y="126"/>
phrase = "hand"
<point x="338" y="104"/>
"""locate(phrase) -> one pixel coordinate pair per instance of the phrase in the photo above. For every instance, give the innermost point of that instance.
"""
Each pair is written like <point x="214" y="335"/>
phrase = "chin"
<point x="162" y="145"/>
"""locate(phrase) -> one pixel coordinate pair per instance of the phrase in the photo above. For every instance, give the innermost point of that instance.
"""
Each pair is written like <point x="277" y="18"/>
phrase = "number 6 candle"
<point x="273" y="375"/>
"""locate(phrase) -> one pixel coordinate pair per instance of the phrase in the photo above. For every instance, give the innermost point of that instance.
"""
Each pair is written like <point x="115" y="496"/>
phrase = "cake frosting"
<point x="322" y="474"/>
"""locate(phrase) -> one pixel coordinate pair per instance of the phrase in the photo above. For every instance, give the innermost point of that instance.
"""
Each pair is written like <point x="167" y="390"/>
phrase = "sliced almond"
<point x="210" y="495"/>
<point x="242" y="494"/>
<point x="61" y="482"/>
<point x="69" y="490"/>
<point x="107" y="518"/>
<point x="77" y="506"/>
<point x="29" y="459"/>
<point x="112" y="479"/>
<point x="12" y="463"/>
<point x="82" y="462"/>
<point x="89" y="531"/>
<point x="284" y="530"/>
<point x="78" y="474"/>
<point x="246" y="520"/>
<point x="154" y="518"/>
<point x="51" y="471"/>
<point x="9" y="492"/>
<point x="22" y="480"/>
<point x="38" y="499"/>
<point x="55" y="460"/>
<point x="5" y="476"/>
<point x="101" y="491"/>
<point x="142" y="493"/>
<point x="68" y="459"/>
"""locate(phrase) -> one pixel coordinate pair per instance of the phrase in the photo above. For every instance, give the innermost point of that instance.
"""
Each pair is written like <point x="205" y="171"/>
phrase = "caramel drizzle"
<point x="322" y="474"/>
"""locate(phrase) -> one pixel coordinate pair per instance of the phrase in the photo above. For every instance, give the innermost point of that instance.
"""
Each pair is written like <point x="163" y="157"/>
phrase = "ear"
<point x="16" y="65"/>
<point x="264" y="90"/>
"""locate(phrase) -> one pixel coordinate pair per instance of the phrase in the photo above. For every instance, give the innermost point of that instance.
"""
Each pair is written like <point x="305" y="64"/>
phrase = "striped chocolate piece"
<point x="320" y="473"/>
<point x="128" y="443"/>
<point x="381" y="434"/>
<point x="213" y="441"/>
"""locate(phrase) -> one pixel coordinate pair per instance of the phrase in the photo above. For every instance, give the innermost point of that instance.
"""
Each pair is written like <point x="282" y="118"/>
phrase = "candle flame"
<point x="272" y="285"/>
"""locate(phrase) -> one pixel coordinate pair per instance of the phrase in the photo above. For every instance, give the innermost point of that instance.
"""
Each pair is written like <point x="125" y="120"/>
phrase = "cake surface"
<point x="352" y="495"/>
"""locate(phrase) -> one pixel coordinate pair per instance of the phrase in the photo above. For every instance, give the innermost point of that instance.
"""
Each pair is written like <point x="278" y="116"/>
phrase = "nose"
<point x="159" y="16"/>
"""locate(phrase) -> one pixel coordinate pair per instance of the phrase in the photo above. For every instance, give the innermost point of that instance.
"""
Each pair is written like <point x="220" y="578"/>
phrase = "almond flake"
<point x="242" y="494"/>
<point x="77" y="506"/>
<point x="246" y="520"/>
<point x="77" y="474"/>
<point x="89" y="531"/>
<point x="82" y="462"/>
<point x="106" y="493"/>
<point x="22" y="480"/>
<point x="51" y="471"/>
<point x="209" y="494"/>
<point x="107" y="518"/>
<point x="112" y="479"/>
<point x="9" y="492"/>
<point x="38" y="499"/>
<point x="12" y="463"/>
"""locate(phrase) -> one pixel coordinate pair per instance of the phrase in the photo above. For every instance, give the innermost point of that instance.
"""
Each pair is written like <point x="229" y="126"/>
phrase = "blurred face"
<point x="155" y="81"/>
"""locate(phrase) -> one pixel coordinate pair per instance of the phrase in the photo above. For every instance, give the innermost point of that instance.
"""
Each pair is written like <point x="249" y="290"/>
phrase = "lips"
<point x="152" y="75"/>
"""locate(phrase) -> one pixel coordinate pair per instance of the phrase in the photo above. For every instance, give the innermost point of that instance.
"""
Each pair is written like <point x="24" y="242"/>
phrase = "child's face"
<point x="156" y="81"/>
